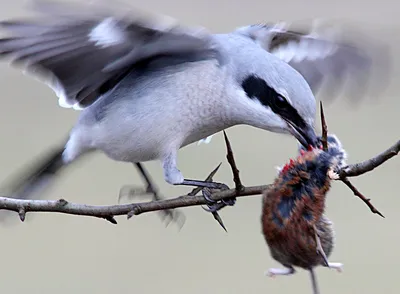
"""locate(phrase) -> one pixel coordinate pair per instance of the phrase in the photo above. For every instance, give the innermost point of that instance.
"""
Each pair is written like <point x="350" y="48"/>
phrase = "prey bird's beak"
<point x="306" y="136"/>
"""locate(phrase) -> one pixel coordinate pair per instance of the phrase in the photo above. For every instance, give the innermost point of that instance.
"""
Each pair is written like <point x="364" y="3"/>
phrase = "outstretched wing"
<point x="83" y="50"/>
<point x="328" y="55"/>
<point x="331" y="58"/>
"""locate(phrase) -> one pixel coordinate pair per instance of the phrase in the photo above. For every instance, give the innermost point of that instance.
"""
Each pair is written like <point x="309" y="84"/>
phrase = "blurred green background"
<point x="54" y="253"/>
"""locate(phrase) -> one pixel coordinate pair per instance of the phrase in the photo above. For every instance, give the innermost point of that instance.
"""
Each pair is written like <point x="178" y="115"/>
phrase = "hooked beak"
<point x="305" y="136"/>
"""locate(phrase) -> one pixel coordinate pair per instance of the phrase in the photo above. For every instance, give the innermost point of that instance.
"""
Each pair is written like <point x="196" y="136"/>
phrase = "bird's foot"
<point x="336" y="265"/>
<point x="213" y="206"/>
<point x="286" y="271"/>
<point x="207" y="188"/>
<point x="320" y="250"/>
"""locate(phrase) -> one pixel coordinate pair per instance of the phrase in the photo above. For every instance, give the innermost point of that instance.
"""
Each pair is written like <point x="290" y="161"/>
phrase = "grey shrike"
<point x="145" y="88"/>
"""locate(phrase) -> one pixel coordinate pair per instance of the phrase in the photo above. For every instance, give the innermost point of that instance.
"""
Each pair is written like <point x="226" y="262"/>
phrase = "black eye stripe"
<point x="257" y="88"/>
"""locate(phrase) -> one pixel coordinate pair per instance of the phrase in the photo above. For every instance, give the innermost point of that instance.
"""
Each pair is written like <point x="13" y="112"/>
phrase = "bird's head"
<point x="281" y="101"/>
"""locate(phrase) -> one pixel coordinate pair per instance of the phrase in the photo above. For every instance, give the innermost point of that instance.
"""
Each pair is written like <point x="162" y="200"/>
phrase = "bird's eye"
<point x="281" y="102"/>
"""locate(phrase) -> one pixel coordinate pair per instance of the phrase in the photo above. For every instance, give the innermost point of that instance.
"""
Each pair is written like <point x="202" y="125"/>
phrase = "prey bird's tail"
<point x="36" y="176"/>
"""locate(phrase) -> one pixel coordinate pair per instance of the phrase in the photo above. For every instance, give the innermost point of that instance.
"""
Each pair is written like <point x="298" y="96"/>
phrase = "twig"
<point x="62" y="206"/>
<point x="22" y="206"/>
<point x="357" y="193"/>
<point x="65" y="207"/>
<point x="359" y="168"/>
<point x="370" y="164"/>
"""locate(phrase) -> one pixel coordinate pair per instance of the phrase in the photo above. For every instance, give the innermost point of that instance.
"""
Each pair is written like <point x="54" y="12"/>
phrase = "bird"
<point x="294" y="223"/>
<point x="146" y="87"/>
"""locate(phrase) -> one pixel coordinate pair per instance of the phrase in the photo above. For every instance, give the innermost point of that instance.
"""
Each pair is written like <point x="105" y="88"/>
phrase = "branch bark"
<point x="370" y="164"/>
<point x="22" y="206"/>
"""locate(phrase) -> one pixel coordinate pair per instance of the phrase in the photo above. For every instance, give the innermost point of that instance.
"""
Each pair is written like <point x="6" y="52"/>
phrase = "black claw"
<point x="229" y="201"/>
<point x="207" y="195"/>
<point x="214" y="207"/>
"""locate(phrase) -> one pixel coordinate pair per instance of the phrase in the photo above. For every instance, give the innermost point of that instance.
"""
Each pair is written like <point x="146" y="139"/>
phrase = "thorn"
<point x="324" y="137"/>
<point x="111" y="219"/>
<point x="231" y="160"/>
<point x="208" y="179"/>
<point x="22" y="213"/>
<point x="62" y="202"/>
<point x="219" y="220"/>
<point x="130" y="214"/>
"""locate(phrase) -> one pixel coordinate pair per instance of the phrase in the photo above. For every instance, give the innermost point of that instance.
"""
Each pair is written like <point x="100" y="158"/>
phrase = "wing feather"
<point x="77" y="49"/>
<point x="330" y="60"/>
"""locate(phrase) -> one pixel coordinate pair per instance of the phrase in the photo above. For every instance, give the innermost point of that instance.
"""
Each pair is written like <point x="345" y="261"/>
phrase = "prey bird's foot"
<point x="286" y="271"/>
<point x="336" y="265"/>
<point x="319" y="248"/>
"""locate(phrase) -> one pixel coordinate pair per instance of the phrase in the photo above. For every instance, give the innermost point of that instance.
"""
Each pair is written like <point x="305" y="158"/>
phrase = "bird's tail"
<point x="37" y="176"/>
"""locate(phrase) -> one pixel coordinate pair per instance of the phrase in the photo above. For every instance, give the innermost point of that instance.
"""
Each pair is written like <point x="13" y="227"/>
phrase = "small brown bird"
<point x="293" y="221"/>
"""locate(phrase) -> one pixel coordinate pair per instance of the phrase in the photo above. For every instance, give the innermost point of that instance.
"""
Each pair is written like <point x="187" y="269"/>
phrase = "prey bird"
<point x="294" y="223"/>
<point x="146" y="87"/>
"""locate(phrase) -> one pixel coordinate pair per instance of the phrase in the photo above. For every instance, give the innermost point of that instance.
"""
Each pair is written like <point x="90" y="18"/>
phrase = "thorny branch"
<point x="359" y="168"/>
<point x="22" y="206"/>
